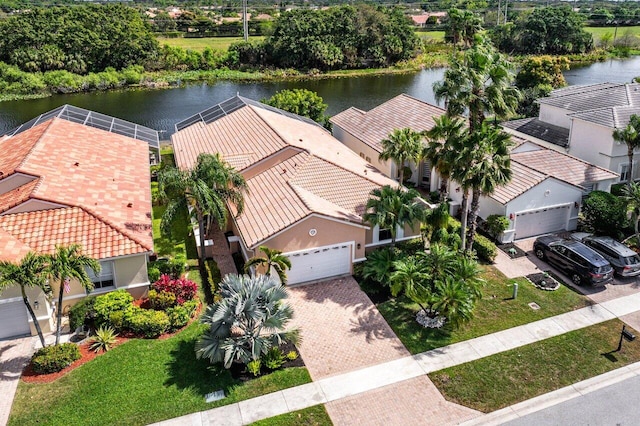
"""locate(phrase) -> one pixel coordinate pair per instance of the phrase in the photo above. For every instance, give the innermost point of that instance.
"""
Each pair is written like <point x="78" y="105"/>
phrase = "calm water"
<point x="162" y="109"/>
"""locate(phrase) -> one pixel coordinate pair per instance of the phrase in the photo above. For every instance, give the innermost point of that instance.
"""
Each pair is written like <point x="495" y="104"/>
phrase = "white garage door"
<point x="13" y="319"/>
<point x="319" y="263"/>
<point x="542" y="221"/>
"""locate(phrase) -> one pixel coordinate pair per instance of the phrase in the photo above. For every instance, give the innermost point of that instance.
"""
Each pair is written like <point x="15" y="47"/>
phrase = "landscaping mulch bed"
<point x="239" y="371"/>
<point x="509" y="248"/>
<point x="545" y="280"/>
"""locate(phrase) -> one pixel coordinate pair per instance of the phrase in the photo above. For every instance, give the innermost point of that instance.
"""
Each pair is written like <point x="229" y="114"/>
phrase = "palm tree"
<point x="272" y="259"/>
<point x="452" y="301"/>
<point x="629" y="135"/>
<point x="390" y="208"/>
<point x="30" y="272"/>
<point x="249" y="320"/>
<point x="400" y="146"/>
<point x="445" y="140"/>
<point x="379" y="265"/>
<point x="631" y="194"/>
<point x="478" y="80"/>
<point x="68" y="263"/>
<point x="206" y="189"/>
<point x="490" y="167"/>
<point x="409" y="276"/>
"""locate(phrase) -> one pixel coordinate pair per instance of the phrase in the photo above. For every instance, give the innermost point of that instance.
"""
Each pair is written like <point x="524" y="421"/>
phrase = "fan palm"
<point x="69" y="263"/>
<point x="30" y="272"/>
<point x="249" y="320"/>
<point x="272" y="259"/>
<point x="445" y="140"/>
<point x="400" y="146"/>
<point x="629" y="135"/>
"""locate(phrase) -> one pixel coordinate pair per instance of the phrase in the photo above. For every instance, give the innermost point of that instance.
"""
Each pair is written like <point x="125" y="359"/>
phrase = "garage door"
<point x="542" y="221"/>
<point x="13" y="319"/>
<point x="320" y="263"/>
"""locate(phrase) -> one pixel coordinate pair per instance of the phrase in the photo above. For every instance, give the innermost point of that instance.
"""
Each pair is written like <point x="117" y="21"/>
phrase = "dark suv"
<point x="583" y="264"/>
<point x="625" y="261"/>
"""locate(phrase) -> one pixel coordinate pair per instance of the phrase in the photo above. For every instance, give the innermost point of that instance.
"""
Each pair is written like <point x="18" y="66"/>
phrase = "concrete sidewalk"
<point x="356" y="382"/>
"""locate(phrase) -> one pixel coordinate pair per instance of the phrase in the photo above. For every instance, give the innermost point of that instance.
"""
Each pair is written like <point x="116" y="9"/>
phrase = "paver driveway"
<point x="14" y="355"/>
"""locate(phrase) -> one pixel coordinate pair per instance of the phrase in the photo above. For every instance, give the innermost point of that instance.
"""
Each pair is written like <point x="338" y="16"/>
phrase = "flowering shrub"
<point x="182" y="288"/>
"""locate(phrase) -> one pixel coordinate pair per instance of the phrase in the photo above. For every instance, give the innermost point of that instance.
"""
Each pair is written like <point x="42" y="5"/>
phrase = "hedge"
<point x="52" y="359"/>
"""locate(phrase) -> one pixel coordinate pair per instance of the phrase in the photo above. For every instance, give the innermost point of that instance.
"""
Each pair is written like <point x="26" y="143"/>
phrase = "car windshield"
<point x="632" y="260"/>
<point x="603" y="269"/>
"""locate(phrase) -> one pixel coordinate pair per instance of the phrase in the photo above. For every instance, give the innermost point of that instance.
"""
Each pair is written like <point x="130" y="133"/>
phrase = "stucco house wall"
<point x="361" y="148"/>
<point x="554" y="115"/>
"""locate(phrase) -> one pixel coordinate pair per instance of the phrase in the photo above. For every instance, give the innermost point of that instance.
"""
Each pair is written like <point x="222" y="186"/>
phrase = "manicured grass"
<point x="598" y="32"/>
<point x="504" y="379"/>
<point x="431" y="35"/>
<point x="140" y="382"/>
<point x="312" y="416"/>
<point x="199" y="44"/>
<point x="496" y="311"/>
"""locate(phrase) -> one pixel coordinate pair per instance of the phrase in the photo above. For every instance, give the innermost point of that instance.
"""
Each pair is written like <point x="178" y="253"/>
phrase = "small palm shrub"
<point x="161" y="300"/>
<point x="254" y="367"/>
<point x="182" y="288"/>
<point x="106" y="304"/>
<point x="103" y="340"/>
<point x="274" y="358"/>
<point x="292" y="355"/>
<point x="52" y="359"/>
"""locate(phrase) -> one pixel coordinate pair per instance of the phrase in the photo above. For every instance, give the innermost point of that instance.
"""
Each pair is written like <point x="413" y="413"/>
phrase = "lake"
<point x="162" y="109"/>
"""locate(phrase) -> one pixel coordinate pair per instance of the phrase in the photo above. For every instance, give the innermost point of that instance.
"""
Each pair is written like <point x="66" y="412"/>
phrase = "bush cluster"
<point x="81" y="312"/>
<point x="106" y="304"/>
<point x="181" y="288"/>
<point x="52" y="359"/>
<point x="145" y="322"/>
<point x="485" y="248"/>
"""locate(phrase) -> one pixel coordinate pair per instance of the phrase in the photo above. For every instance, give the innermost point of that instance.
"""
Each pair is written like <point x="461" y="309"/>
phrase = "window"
<point x="362" y="154"/>
<point x="105" y="278"/>
<point x="588" y="187"/>
<point x="624" y="172"/>
<point x="368" y="159"/>
<point x="426" y="172"/>
<point x="384" y="234"/>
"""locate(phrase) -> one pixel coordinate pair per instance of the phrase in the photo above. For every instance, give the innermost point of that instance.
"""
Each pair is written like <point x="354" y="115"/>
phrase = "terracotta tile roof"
<point x="104" y="173"/>
<point x="373" y="126"/>
<point x="17" y="196"/>
<point x="42" y="230"/>
<point x="11" y="249"/>
<point x="16" y="149"/>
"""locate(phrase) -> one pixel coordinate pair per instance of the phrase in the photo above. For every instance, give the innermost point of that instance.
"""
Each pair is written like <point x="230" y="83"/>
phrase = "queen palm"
<point x="205" y="189"/>
<point x="401" y="146"/>
<point x="445" y="139"/>
<point x="272" y="259"/>
<point x="390" y="208"/>
<point x="69" y="263"/>
<point x="629" y="135"/>
<point x="29" y="272"/>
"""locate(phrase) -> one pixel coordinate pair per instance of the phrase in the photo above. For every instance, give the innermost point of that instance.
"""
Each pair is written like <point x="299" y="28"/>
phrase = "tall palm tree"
<point x="478" y="80"/>
<point x="463" y="25"/>
<point x="490" y="167"/>
<point x="68" y="263"/>
<point x="401" y="146"/>
<point x="631" y="194"/>
<point x="390" y="208"/>
<point x="629" y="135"/>
<point x="30" y="272"/>
<point x="445" y="139"/>
<point x="250" y="318"/>
<point x="272" y="259"/>
<point x="207" y="188"/>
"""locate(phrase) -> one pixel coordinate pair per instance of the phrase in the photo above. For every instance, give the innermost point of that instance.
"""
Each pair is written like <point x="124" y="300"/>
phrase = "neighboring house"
<point x="580" y="120"/>
<point x="75" y="176"/>
<point x="422" y="19"/>
<point x="363" y="132"/>
<point x="307" y="191"/>
<point x="545" y="192"/>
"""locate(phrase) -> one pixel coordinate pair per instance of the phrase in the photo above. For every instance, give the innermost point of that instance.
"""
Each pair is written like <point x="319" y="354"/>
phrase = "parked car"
<point x="583" y="264"/>
<point x="625" y="261"/>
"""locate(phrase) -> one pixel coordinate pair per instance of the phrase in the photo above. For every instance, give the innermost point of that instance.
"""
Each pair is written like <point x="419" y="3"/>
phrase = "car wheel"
<point x="577" y="280"/>
<point x="540" y="254"/>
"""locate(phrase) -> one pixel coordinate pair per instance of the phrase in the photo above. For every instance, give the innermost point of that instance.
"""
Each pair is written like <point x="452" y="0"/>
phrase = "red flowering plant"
<point x="182" y="288"/>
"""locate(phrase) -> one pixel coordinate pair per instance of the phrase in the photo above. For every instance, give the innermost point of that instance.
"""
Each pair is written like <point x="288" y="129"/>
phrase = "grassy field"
<point x="494" y="312"/>
<point x="199" y="44"/>
<point x="140" y="382"/>
<point x="498" y="381"/>
<point x="598" y="32"/>
<point x="312" y="416"/>
<point x="430" y="35"/>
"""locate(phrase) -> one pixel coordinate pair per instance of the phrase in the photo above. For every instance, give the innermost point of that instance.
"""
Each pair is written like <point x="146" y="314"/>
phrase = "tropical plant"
<point x="630" y="136"/>
<point x="272" y="259"/>
<point x="400" y="146"/>
<point x="390" y="208"/>
<point x="301" y="102"/>
<point x="497" y="224"/>
<point x="103" y="340"/>
<point x="462" y="26"/>
<point x="631" y="195"/>
<point x="51" y="359"/>
<point x="30" y="272"/>
<point x="604" y="213"/>
<point x="205" y="189"/>
<point x="250" y="319"/>
<point x="65" y="264"/>
<point x="452" y="301"/>
<point x="445" y="139"/>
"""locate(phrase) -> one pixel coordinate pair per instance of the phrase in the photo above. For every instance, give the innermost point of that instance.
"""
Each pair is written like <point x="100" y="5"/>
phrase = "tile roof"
<point x="11" y="249"/>
<point x="539" y="129"/>
<point x="42" y="230"/>
<point x="522" y="180"/>
<point x="614" y="117"/>
<point x="373" y="126"/>
<point x="104" y="173"/>
<point x="305" y="169"/>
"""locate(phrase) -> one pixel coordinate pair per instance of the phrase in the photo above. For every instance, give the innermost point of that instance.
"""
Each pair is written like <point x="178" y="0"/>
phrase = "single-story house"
<point x="75" y="176"/>
<point x="307" y="191"/>
<point x="580" y="121"/>
<point x="363" y="132"/>
<point x="545" y="192"/>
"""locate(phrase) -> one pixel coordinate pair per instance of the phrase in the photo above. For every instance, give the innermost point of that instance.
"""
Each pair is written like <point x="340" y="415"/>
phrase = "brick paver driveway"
<point x="14" y="355"/>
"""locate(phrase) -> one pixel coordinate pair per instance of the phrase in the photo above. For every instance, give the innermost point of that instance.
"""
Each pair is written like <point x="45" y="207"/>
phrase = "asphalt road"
<point x="615" y="405"/>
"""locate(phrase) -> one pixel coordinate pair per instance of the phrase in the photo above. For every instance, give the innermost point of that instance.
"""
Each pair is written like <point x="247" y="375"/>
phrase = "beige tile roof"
<point x="522" y="180"/>
<point x="104" y="173"/>
<point x="373" y="126"/>
<point x="320" y="175"/>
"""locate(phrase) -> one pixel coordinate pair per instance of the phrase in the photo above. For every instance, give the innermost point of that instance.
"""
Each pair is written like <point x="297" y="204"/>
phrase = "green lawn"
<point x="504" y="379"/>
<point x="598" y="32"/>
<point x="496" y="311"/>
<point x="140" y="382"/>
<point x="199" y="44"/>
<point x="312" y="416"/>
<point x="430" y="35"/>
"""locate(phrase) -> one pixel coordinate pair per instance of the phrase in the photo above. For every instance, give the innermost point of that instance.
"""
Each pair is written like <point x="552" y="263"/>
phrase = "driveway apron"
<point x="14" y="356"/>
